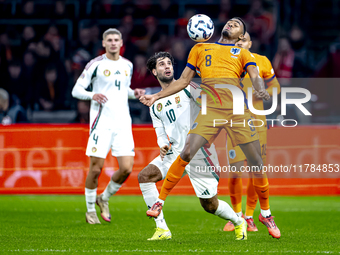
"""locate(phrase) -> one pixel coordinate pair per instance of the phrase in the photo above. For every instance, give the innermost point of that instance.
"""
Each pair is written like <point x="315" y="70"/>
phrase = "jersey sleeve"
<point x="192" y="59"/>
<point x="247" y="59"/>
<point x="269" y="77"/>
<point x="131" y="92"/>
<point x="162" y="138"/>
<point x="84" y="80"/>
<point x="156" y="121"/>
<point x="195" y="91"/>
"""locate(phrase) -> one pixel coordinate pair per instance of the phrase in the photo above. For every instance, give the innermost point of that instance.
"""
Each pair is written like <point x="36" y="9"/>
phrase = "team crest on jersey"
<point x="194" y="125"/>
<point x="177" y="99"/>
<point x="232" y="154"/>
<point x="107" y="73"/>
<point x="159" y="107"/>
<point x="94" y="149"/>
<point x="126" y="73"/>
<point x="82" y="76"/>
<point x="235" y="51"/>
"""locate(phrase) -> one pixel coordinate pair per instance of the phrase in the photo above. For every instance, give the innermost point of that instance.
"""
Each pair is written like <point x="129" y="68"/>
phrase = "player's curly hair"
<point x="152" y="61"/>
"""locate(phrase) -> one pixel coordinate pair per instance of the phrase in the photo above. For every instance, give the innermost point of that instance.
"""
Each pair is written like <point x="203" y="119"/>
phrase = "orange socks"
<point x="172" y="177"/>
<point x="251" y="198"/>
<point x="235" y="191"/>
<point x="261" y="186"/>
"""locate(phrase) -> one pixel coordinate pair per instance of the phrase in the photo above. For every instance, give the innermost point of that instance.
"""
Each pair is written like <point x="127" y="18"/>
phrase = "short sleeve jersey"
<point x="218" y="63"/>
<point x="176" y="114"/>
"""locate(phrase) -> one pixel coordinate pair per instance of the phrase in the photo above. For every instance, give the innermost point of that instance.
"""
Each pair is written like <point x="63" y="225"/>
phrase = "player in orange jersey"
<point x="217" y="63"/>
<point x="237" y="157"/>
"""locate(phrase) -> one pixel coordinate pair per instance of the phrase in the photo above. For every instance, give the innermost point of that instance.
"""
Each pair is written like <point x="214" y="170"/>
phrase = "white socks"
<point x="90" y="198"/>
<point x="224" y="211"/>
<point x="150" y="195"/>
<point x="160" y="200"/>
<point x="239" y="214"/>
<point x="110" y="190"/>
<point x="266" y="213"/>
<point x="91" y="195"/>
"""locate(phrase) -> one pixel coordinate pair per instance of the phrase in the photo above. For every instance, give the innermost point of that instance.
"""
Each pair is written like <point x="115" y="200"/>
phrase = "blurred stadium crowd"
<point x="44" y="46"/>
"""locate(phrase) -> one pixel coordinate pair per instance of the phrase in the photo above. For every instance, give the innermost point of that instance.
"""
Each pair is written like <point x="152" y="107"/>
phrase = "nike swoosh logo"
<point x="253" y="135"/>
<point x="207" y="49"/>
<point x="160" y="235"/>
<point x="168" y="180"/>
<point x="264" y="191"/>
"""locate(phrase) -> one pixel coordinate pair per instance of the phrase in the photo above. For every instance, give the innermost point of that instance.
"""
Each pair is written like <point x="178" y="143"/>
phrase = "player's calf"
<point x="210" y="205"/>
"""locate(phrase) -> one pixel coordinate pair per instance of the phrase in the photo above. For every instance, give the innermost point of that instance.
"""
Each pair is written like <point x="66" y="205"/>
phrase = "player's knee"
<point x="208" y="205"/>
<point x="185" y="154"/>
<point x="233" y="181"/>
<point x="256" y="161"/>
<point x="96" y="170"/>
<point x="125" y="171"/>
<point x="210" y="208"/>
<point x="142" y="178"/>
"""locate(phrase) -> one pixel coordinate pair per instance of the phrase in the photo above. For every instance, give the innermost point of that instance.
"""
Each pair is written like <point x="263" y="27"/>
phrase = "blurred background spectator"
<point x="10" y="113"/>
<point x="83" y="112"/>
<point x="50" y="91"/>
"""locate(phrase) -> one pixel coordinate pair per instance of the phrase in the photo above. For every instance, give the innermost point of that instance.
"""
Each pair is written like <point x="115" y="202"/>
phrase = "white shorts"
<point x="102" y="140"/>
<point x="204" y="182"/>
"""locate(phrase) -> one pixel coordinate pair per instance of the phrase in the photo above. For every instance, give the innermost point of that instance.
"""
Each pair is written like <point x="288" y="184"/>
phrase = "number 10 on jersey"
<point x="171" y="115"/>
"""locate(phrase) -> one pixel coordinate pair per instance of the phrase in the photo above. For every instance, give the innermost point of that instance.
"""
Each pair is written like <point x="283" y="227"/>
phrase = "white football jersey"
<point x="176" y="114"/>
<point x="112" y="79"/>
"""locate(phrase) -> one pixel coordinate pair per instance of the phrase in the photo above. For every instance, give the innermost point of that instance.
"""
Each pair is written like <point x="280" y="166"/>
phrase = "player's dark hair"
<point x="244" y="24"/>
<point x="152" y="61"/>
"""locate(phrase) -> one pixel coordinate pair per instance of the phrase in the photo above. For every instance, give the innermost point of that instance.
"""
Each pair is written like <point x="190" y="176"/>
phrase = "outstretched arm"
<point x="173" y="88"/>
<point x="257" y="82"/>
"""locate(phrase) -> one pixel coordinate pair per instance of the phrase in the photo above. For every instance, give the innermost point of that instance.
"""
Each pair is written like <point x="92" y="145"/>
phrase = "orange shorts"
<point x="235" y="154"/>
<point x="211" y="124"/>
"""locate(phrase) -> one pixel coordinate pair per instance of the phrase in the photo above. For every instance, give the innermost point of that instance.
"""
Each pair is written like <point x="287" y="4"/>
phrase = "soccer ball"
<point x="200" y="28"/>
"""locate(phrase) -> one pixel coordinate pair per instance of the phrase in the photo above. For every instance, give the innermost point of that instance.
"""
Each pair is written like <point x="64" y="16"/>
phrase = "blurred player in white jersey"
<point x="109" y="77"/>
<point x="172" y="119"/>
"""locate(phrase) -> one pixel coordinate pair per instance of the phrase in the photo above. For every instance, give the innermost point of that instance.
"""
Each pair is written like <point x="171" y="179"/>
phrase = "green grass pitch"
<point x="50" y="224"/>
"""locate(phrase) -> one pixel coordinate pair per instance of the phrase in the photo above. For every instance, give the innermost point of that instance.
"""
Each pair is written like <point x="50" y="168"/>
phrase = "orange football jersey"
<point x="218" y="63"/>
<point x="266" y="72"/>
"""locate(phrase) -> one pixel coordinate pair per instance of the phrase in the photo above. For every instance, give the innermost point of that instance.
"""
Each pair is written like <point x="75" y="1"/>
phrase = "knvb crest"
<point x="235" y="51"/>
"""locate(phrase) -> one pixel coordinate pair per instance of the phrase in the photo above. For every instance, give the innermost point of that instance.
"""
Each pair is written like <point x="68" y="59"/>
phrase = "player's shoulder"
<point x="262" y="61"/>
<point x="203" y="46"/>
<point x="245" y="51"/>
<point x="157" y="106"/>
<point x="94" y="62"/>
<point x="126" y="61"/>
<point x="261" y="57"/>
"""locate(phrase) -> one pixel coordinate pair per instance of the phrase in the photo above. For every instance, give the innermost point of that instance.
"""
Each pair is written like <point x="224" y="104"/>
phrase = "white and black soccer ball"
<point x="200" y="28"/>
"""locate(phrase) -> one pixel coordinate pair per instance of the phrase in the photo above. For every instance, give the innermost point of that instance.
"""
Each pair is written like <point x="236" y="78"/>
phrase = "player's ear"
<point x="103" y="43"/>
<point x="250" y="44"/>
<point x="241" y="37"/>
<point x="154" y="72"/>
<point x="121" y="43"/>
